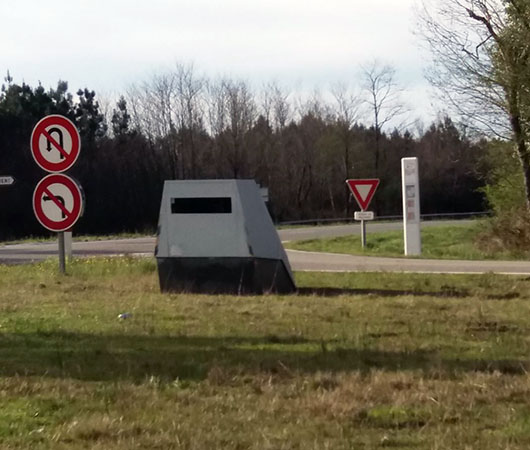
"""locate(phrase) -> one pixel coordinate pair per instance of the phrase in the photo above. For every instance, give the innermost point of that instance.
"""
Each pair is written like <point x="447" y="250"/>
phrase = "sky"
<point x="106" y="45"/>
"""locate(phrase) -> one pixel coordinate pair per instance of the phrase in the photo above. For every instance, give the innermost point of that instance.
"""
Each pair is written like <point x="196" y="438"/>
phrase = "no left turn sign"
<point x="55" y="143"/>
<point x="57" y="202"/>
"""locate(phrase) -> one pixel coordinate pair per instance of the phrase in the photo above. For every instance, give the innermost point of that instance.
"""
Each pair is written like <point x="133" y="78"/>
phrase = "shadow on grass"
<point x="137" y="357"/>
<point x="335" y="292"/>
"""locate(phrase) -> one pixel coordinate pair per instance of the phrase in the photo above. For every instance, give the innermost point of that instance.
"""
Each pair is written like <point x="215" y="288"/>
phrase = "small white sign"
<point x="363" y="215"/>
<point x="6" y="180"/>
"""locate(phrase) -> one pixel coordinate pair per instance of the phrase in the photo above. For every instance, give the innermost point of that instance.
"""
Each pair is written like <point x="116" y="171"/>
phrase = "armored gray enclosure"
<point x="216" y="236"/>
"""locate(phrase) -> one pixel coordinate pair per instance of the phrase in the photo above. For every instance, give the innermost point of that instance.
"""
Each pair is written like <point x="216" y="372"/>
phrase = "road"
<point x="332" y="262"/>
<point x="300" y="261"/>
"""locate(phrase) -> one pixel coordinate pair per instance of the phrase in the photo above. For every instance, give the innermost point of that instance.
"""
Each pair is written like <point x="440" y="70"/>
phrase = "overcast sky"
<point x="106" y="45"/>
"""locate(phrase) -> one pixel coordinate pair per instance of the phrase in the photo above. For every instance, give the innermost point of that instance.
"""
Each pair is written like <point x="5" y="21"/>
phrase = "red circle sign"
<point x="55" y="143"/>
<point x="57" y="202"/>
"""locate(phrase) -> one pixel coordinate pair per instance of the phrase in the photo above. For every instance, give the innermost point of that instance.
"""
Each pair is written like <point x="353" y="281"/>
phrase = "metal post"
<point x="363" y="233"/>
<point x="68" y="245"/>
<point x="62" y="258"/>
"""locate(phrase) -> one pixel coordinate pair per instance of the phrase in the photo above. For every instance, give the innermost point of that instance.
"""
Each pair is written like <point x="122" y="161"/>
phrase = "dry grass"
<point x="354" y="361"/>
<point x="506" y="233"/>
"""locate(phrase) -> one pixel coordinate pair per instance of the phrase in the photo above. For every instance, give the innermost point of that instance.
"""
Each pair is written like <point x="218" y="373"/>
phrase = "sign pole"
<point x="62" y="258"/>
<point x="363" y="233"/>
<point x="68" y="244"/>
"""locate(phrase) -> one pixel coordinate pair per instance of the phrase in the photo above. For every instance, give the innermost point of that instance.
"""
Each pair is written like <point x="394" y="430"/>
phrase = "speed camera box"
<point x="216" y="236"/>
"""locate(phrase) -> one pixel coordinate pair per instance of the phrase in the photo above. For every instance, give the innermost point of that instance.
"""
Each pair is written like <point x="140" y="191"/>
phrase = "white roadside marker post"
<point x="411" y="206"/>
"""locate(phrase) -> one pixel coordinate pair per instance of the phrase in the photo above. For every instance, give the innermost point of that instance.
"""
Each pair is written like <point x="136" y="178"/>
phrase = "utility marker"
<point x="411" y="206"/>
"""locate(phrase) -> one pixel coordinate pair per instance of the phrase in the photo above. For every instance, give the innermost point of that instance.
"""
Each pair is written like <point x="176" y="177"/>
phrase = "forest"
<point x="179" y="125"/>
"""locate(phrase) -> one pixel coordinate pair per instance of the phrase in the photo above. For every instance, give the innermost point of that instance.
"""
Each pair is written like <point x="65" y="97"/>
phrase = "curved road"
<point x="300" y="261"/>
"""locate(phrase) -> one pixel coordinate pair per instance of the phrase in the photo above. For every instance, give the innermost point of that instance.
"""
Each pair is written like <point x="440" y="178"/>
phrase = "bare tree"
<point x="189" y="89"/>
<point x="461" y="47"/>
<point x="281" y="107"/>
<point x="275" y="105"/>
<point x="168" y="109"/>
<point x="314" y="105"/>
<point x="347" y="111"/>
<point x="232" y="111"/>
<point x="152" y="106"/>
<point x="480" y="51"/>
<point x="383" y="97"/>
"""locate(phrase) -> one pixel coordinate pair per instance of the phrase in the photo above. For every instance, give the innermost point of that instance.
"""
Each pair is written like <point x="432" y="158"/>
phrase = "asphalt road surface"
<point x="300" y="261"/>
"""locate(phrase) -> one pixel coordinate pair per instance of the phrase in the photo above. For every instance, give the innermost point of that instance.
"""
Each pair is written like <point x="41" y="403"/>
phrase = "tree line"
<point x="180" y="125"/>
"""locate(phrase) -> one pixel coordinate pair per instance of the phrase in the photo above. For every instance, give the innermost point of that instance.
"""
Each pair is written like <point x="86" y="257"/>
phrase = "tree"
<point x="383" y="97"/>
<point x="188" y="91"/>
<point x="232" y="114"/>
<point x="347" y="106"/>
<point x="276" y="106"/>
<point x="449" y="169"/>
<point x="480" y="53"/>
<point x="152" y="108"/>
<point x="121" y="119"/>
<point x="89" y="120"/>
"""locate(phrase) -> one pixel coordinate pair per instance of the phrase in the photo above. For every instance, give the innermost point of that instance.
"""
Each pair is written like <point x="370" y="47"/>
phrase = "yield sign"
<point x="363" y="190"/>
<point x="55" y="143"/>
<point x="57" y="202"/>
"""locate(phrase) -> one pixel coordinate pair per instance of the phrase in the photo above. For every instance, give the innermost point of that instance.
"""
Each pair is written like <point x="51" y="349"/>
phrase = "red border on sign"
<point x="73" y="215"/>
<point x="372" y="182"/>
<point x="41" y="128"/>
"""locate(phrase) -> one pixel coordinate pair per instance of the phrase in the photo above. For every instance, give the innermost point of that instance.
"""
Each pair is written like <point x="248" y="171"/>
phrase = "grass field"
<point x="352" y="361"/>
<point x="440" y="242"/>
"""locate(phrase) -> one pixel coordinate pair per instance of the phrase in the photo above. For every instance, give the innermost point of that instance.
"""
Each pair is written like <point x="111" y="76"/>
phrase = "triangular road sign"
<point x="363" y="190"/>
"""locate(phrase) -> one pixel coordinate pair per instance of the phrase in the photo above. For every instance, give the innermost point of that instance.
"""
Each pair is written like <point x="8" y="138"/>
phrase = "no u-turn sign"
<point x="55" y="143"/>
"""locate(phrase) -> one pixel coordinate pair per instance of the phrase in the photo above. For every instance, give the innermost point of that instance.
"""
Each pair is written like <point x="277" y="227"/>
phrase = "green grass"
<point x="440" y="242"/>
<point x="356" y="360"/>
<point x="52" y="237"/>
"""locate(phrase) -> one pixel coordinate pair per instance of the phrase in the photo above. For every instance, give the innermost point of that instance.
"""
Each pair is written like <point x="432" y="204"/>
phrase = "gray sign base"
<point x="218" y="275"/>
